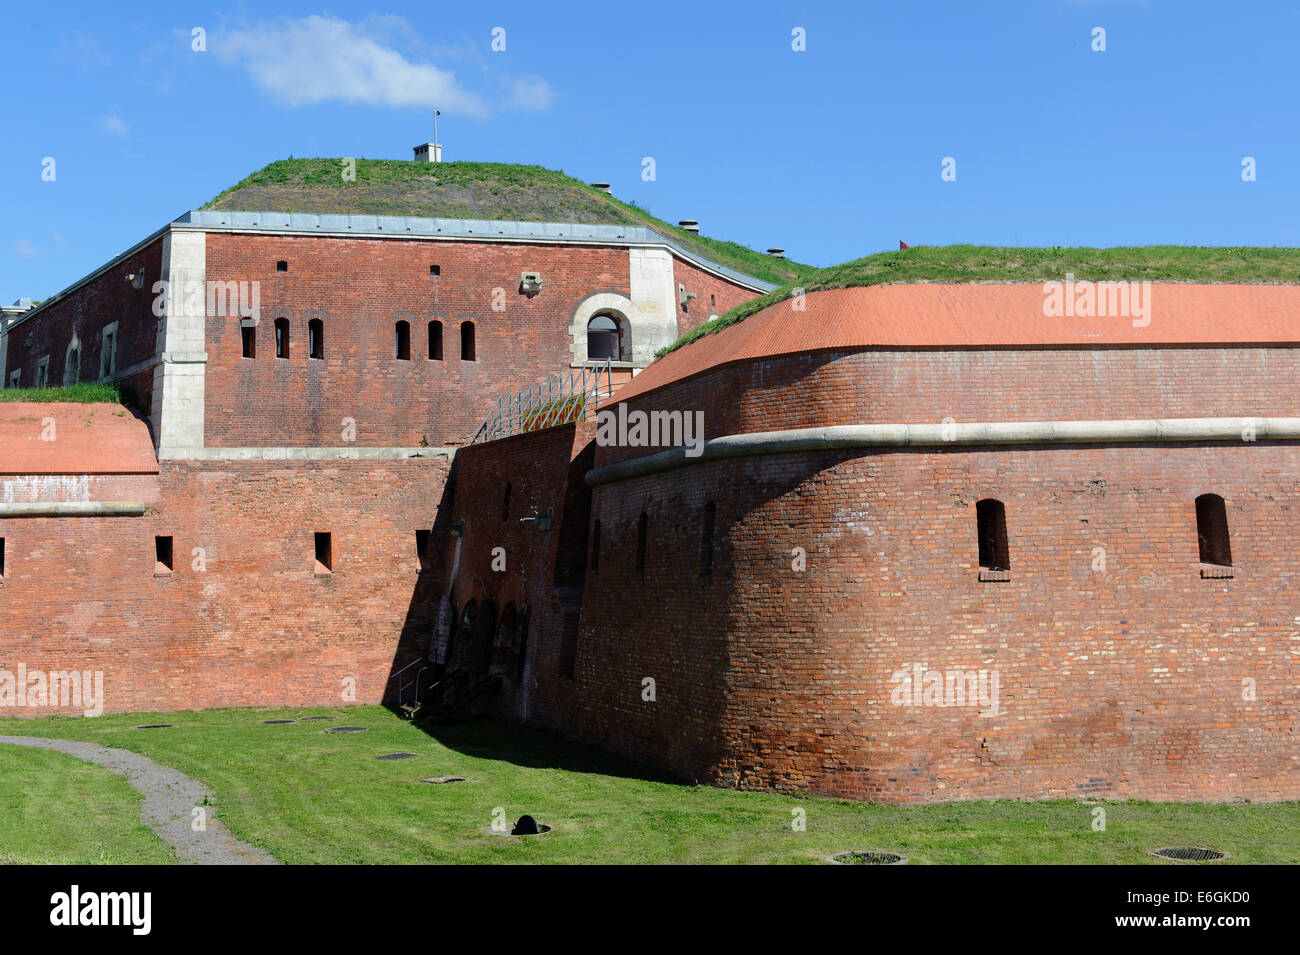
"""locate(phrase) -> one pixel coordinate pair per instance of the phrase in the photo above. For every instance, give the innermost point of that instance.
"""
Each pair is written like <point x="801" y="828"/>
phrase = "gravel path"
<point x="170" y="799"/>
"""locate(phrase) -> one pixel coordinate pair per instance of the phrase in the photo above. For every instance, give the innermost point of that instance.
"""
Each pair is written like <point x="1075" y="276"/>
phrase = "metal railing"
<point x="560" y="400"/>
<point x="403" y="683"/>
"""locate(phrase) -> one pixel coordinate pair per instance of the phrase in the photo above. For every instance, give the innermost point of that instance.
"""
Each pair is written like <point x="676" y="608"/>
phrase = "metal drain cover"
<point x="277" y="722"/>
<point x="443" y="779"/>
<point x="304" y="719"/>
<point x="396" y="756"/>
<point x="346" y="729"/>
<point x="154" y="726"/>
<point x="868" y="857"/>
<point x="536" y="829"/>
<point x="1189" y="854"/>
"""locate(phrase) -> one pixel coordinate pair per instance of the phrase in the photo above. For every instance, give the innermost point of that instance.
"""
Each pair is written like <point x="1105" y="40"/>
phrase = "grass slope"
<point x="469" y="190"/>
<point x="980" y="263"/>
<point x="311" y="797"/>
<point x="79" y="394"/>
<point x="57" y="809"/>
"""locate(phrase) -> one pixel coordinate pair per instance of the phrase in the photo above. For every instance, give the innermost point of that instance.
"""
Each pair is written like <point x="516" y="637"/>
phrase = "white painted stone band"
<point x="960" y="435"/>
<point x="334" y="453"/>
<point x="74" y="509"/>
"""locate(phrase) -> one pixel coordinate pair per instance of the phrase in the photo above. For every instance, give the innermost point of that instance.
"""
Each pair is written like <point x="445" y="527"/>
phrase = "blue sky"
<point x="831" y="152"/>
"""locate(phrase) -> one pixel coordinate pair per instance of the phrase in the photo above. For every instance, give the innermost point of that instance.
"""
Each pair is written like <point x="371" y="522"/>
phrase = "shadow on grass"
<point x="536" y="748"/>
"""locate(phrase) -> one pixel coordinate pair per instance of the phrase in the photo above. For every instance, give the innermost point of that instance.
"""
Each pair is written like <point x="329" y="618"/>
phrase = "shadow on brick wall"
<point x="411" y="667"/>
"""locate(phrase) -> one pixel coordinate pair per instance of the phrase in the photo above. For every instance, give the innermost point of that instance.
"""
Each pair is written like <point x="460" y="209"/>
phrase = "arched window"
<point x="248" y="340"/>
<point x="706" y="539"/>
<point x="467" y="341"/>
<point x="316" y="338"/>
<point x="1212" y="530"/>
<point x="569" y="645"/>
<point x="435" y="341"/>
<point x="281" y="338"/>
<point x="520" y="648"/>
<point x="462" y="648"/>
<point x="595" y="546"/>
<point x="403" y="341"/>
<point x="604" y="338"/>
<point x="72" y="363"/>
<point x="991" y="516"/>
<point x="642" y="526"/>
<point x="484" y="630"/>
<point x="505" y="645"/>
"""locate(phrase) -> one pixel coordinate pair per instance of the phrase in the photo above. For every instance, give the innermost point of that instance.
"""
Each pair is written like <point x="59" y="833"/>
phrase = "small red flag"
<point x="903" y="245"/>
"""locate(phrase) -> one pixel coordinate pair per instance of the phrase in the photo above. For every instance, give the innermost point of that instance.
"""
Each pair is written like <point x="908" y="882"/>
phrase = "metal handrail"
<point x="558" y="400"/>
<point x="403" y="685"/>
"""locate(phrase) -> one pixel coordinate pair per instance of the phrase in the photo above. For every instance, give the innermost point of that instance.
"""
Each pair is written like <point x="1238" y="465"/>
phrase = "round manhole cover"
<point x="1189" y="854"/>
<point x="444" y="779"/>
<point x="346" y="729"/>
<point x="154" y="726"/>
<point x="396" y="756"/>
<point x="868" y="857"/>
<point x="277" y="722"/>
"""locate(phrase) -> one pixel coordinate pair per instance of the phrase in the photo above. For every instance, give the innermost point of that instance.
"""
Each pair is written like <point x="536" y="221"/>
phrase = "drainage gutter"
<point x="1152" y="430"/>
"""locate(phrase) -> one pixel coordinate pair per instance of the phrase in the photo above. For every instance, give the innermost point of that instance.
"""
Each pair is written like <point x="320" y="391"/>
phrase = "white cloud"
<point x="319" y="59"/>
<point x="113" y="126"/>
<point x="530" y="92"/>
<point x="24" y="248"/>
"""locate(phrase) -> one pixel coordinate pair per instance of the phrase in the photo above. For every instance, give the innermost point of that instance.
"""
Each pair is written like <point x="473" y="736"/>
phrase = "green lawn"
<point x="310" y="797"/>
<point x="57" y="809"/>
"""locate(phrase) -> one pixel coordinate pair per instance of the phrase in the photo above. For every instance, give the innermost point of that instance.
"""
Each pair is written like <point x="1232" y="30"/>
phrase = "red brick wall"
<point x="361" y="288"/>
<point x="257" y="627"/>
<point x="712" y="294"/>
<point x="1126" y="682"/>
<point x="108" y="298"/>
<point x="539" y="467"/>
<point x="924" y="387"/>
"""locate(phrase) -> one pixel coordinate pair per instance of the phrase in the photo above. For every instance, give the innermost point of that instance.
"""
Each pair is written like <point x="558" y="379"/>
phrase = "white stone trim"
<point x="179" y="379"/>
<point x="345" y="453"/>
<point x="74" y="509"/>
<point x="589" y="308"/>
<point x="43" y="372"/>
<point x="654" y="290"/>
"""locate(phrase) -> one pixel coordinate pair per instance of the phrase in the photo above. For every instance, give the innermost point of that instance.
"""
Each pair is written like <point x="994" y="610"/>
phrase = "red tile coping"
<point x="984" y="316"/>
<point x="87" y="439"/>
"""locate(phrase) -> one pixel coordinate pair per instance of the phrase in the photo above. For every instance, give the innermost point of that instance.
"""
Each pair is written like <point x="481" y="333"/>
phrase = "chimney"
<point x="428" y="152"/>
<point x="776" y="253"/>
<point x="690" y="225"/>
<point x="602" y="186"/>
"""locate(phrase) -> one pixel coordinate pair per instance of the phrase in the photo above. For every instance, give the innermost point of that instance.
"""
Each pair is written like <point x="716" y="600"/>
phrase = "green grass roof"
<point x="993" y="264"/>
<point x="84" y="394"/>
<point x="470" y="190"/>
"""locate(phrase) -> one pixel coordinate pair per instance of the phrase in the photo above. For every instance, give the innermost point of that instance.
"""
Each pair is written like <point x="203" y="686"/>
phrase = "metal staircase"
<point x="560" y="400"/>
<point x="457" y="694"/>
